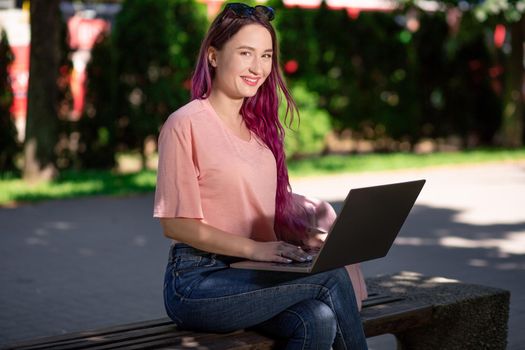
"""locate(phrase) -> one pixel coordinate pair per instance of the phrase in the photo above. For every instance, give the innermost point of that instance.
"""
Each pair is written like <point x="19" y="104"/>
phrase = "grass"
<point x="394" y="161"/>
<point x="72" y="184"/>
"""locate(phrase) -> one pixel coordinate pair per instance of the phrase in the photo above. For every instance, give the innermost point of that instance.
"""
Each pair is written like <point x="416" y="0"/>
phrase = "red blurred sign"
<point x="83" y="32"/>
<point x="19" y="74"/>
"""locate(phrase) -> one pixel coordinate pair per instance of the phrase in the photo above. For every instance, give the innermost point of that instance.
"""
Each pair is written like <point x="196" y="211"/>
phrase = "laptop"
<point x="365" y="229"/>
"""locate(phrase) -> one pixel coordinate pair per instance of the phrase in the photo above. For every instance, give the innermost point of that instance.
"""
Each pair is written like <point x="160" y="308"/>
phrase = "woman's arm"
<point x="208" y="238"/>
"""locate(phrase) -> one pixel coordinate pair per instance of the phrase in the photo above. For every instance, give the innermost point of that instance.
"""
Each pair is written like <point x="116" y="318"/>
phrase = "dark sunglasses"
<point x="244" y="11"/>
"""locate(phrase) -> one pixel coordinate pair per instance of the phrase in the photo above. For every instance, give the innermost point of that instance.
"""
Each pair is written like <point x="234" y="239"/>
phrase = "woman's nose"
<point x="256" y="67"/>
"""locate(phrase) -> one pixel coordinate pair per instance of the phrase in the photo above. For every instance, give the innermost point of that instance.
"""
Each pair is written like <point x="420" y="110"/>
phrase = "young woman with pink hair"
<point x="223" y="195"/>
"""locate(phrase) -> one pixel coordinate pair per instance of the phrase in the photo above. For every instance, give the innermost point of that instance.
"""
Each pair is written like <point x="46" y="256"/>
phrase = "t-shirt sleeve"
<point x="177" y="193"/>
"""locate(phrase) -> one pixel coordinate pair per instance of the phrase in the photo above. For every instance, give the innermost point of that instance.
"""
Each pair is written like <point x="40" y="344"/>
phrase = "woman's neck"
<point x="227" y="108"/>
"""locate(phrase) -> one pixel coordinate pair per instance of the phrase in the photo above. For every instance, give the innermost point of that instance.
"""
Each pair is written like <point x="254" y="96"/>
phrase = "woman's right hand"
<point x="279" y="251"/>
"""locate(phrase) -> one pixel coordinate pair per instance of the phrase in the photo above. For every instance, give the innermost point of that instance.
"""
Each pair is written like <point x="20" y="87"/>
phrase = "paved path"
<point x="79" y="264"/>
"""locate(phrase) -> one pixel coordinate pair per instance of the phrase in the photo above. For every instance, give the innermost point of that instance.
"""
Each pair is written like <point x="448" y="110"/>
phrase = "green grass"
<point x="86" y="183"/>
<point x="76" y="184"/>
<point x="394" y="161"/>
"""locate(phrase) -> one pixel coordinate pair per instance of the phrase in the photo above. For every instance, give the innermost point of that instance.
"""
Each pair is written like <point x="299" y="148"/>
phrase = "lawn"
<point x="86" y="183"/>
<point x="394" y="161"/>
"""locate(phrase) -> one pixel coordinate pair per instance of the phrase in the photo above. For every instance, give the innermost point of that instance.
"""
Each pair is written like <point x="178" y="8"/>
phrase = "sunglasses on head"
<point x="244" y="11"/>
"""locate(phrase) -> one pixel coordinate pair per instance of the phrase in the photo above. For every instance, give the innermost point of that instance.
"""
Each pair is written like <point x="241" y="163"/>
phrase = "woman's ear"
<point x="212" y="56"/>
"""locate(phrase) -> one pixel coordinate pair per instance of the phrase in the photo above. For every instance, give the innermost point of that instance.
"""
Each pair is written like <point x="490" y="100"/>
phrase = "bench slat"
<point x="183" y="340"/>
<point x="239" y="340"/>
<point x="105" y="338"/>
<point x="379" y="300"/>
<point x="395" y="317"/>
<point x="47" y="341"/>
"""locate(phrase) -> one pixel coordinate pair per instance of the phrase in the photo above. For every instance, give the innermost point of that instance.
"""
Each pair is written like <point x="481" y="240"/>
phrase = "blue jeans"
<point x="319" y="311"/>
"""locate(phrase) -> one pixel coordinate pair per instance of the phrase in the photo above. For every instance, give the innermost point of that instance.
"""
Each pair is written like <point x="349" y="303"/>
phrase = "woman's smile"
<point x="250" y="81"/>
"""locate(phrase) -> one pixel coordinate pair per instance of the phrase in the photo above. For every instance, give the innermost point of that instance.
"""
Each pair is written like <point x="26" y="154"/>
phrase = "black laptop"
<point x="365" y="229"/>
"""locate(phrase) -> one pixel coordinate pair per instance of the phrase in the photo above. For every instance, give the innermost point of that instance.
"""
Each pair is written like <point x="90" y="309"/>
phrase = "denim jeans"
<point x="317" y="311"/>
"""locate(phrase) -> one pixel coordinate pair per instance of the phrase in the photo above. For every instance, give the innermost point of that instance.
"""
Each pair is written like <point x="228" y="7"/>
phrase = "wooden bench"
<point x="422" y="312"/>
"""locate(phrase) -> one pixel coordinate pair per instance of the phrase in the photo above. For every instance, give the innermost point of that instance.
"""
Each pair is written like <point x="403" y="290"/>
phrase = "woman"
<point x="223" y="195"/>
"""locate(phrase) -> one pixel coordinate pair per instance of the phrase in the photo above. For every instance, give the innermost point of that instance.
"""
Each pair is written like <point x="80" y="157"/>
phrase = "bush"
<point x="372" y="71"/>
<point x="307" y="133"/>
<point x="157" y="43"/>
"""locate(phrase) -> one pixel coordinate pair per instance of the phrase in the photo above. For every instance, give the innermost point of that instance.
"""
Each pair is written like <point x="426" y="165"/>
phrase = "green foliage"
<point x="511" y="11"/>
<point x="307" y="133"/>
<point x="157" y="43"/>
<point x="373" y="71"/>
<point x="98" y="127"/>
<point x="360" y="68"/>
<point x="9" y="146"/>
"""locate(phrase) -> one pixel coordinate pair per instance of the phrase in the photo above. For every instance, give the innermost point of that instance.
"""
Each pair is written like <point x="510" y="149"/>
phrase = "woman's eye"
<point x="245" y="53"/>
<point x="267" y="55"/>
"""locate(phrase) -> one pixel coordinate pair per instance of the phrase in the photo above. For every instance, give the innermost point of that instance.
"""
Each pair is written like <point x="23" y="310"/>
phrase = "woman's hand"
<point x="279" y="251"/>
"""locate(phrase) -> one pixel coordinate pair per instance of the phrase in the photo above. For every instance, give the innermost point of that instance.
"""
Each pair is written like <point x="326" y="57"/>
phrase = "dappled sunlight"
<point x="42" y="233"/>
<point x="86" y="252"/>
<point x="48" y="227"/>
<point x="478" y="263"/>
<point x="403" y="281"/>
<point x="139" y="241"/>
<point x="512" y="243"/>
<point x="442" y="280"/>
<point x="499" y="266"/>
<point x="59" y="225"/>
<point x="415" y="241"/>
<point x="189" y="342"/>
<point x="35" y="241"/>
<point x="487" y="213"/>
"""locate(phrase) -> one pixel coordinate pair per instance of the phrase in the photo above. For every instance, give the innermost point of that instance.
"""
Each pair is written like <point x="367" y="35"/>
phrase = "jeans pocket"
<point x="189" y="262"/>
<point x="189" y="270"/>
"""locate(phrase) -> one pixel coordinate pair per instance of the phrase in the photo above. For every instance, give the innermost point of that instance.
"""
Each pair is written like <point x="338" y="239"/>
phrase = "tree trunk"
<point x="42" y="120"/>
<point x="512" y="124"/>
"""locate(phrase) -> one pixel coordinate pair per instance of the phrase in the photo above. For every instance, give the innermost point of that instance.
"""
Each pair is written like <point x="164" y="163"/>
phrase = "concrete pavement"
<point x="78" y="264"/>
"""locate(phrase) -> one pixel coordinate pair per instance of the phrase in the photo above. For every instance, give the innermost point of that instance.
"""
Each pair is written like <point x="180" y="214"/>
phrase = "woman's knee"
<point x="316" y="324"/>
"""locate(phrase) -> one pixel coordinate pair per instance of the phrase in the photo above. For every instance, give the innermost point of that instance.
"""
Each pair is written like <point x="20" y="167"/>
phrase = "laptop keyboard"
<point x="293" y="264"/>
<point x="297" y="263"/>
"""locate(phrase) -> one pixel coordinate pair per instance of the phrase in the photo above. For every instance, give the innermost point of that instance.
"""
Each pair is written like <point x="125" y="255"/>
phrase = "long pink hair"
<point x="260" y="114"/>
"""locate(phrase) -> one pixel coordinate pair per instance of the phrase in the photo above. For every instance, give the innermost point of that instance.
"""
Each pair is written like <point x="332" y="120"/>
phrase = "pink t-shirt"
<point x="206" y="172"/>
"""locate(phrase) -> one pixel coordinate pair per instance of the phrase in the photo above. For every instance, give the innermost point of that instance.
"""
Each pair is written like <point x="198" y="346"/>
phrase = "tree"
<point x="42" y="121"/>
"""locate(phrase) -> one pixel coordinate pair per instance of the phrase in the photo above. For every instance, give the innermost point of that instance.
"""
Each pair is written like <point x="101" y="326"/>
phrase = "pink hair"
<point x="260" y="114"/>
